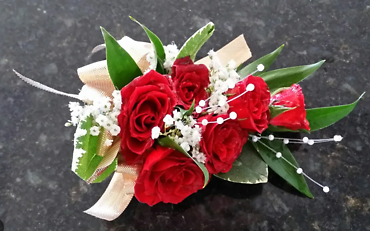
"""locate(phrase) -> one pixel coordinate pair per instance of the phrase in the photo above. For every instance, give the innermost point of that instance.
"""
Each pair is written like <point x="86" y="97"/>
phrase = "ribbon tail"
<point x="117" y="196"/>
<point x="98" y="48"/>
<point x="44" y="87"/>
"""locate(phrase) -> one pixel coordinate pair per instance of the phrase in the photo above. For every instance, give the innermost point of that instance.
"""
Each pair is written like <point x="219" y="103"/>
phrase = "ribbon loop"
<point x="118" y="195"/>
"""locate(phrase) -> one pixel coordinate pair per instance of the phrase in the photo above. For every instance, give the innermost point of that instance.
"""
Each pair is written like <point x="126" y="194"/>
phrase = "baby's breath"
<point x="104" y="111"/>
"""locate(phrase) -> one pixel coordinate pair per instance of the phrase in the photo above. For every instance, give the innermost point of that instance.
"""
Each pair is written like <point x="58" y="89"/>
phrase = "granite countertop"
<point x="48" y="41"/>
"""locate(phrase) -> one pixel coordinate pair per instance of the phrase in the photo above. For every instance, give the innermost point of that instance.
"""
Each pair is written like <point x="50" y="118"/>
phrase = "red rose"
<point x="252" y="108"/>
<point x="222" y="144"/>
<point x="189" y="81"/>
<point x="168" y="176"/>
<point x="294" y="119"/>
<point x="145" y="102"/>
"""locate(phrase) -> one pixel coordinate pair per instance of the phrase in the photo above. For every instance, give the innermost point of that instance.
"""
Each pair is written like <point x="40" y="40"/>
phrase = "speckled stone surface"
<point x="49" y="40"/>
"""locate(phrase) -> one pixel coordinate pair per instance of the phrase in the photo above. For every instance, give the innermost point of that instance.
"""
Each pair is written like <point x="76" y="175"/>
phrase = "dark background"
<point x="49" y="40"/>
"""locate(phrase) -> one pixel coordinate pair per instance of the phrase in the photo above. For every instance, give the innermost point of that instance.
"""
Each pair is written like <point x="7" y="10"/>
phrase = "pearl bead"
<point x="233" y="115"/>
<point x="337" y="138"/>
<point x="250" y="87"/>
<point x="260" y="67"/>
<point x="220" y="120"/>
<point x="254" y="139"/>
<point x="204" y="122"/>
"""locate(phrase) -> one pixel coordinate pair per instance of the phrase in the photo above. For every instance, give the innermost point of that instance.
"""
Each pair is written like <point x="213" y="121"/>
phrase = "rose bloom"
<point x="145" y="102"/>
<point x="167" y="176"/>
<point x="294" y="119"/>
<point x="252" y="108"/>
<point x="189" y="81"/>
<point x="222" y="143"/>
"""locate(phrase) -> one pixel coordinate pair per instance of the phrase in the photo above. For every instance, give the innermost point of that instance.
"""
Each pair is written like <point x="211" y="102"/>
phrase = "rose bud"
<point x="294" y="119"/>
<point x="167" y="176"/>
<point x="222" y="143"/>
<point x="145" y="102"/>
<point x="189" y="81"/>
<point x="252" y="107"/>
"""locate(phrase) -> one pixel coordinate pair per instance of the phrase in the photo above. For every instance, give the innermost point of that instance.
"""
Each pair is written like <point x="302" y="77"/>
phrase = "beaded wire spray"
<point x="305" y="140"/>
<point x="254" y="138"/>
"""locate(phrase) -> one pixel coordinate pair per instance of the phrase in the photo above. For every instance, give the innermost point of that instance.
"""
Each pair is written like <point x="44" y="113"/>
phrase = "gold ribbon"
<point x="236" y="50"/>
<point x="118" y="195"/>
<point x="120" y="190"/>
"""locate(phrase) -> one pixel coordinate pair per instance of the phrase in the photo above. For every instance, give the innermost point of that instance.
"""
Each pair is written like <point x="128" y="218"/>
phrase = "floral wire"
<point x="282" y="157"/>
<point x="303" y="173"/>
<point x="291" y="140"/>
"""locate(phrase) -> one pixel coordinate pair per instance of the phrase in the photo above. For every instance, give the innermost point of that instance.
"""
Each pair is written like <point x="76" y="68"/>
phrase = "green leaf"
<point x="169" y="143"/>
<point x="160" y="68"/>
<point x="281" y="167"/>
<point x="323" y="117"/>
<point x="287" y="76"/>
<point x="91" y="166"/>
<point x="266" y="60"/>
<point x="157" y="44"/>
<point x="109" y="170"/>
<point x="276" y="110"/>
<point x="121" y="67"/>
<point x="249" y="168"/>
<point x="195" y="42"/>
<point x="89" y="161"/>
<point x="282" y="129"/>
<point x="278" y="90"/>
<point x="190" y="111"/>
